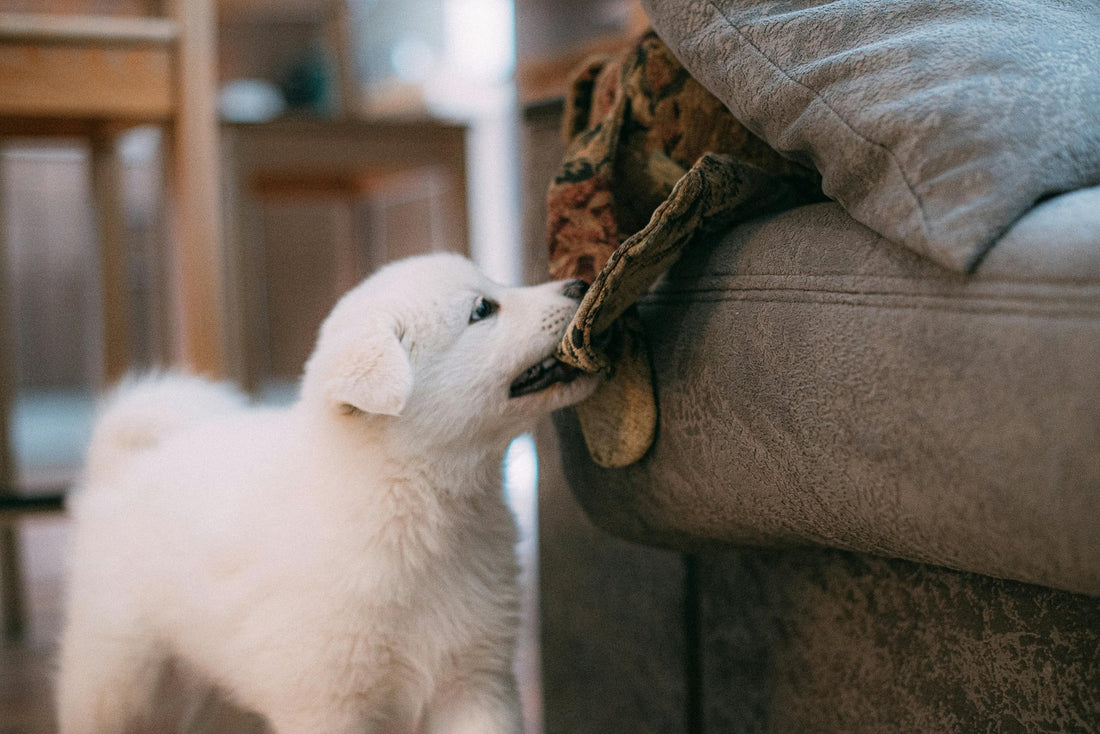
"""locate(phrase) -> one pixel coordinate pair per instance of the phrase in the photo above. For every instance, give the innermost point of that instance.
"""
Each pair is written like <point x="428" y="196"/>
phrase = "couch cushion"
<point x="937" y="124"/>
<point x="818" y="384"/>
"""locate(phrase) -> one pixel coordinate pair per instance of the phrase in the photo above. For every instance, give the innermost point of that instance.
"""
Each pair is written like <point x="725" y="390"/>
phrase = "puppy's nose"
<point x="575" y="289"/>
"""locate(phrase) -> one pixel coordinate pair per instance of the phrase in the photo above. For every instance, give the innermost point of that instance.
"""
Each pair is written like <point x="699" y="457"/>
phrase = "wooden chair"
<point x="92" y="77"/>
<point x="395" y="171"/>
<point x="376" y="189"/>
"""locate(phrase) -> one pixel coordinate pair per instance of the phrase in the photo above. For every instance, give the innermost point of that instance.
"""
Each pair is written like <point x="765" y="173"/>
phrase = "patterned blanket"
<point x="653" y="160"/>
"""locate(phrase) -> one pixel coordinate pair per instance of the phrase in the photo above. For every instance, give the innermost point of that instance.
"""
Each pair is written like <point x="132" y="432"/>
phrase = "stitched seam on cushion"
<point x="1084" y="299"/>
<point x="992" y="307"/>
<point x="817" y="96"/>
<point x="1038" y="298"/>
<point x="1023" y="283"/>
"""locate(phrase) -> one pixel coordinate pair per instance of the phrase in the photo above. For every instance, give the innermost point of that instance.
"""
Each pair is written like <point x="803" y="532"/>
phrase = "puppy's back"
<point x="142" y="412"/>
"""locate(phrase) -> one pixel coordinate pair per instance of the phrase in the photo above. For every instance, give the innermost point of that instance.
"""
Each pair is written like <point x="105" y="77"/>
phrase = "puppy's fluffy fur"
<point x="342" y="565"/>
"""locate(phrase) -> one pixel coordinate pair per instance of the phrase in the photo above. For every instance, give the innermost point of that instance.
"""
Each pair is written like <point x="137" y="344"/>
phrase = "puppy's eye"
<point x="483" y="309"/>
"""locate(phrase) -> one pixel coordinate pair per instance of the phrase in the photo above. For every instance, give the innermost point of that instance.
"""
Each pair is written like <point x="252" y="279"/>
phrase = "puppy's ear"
<point x="370" y="374"/>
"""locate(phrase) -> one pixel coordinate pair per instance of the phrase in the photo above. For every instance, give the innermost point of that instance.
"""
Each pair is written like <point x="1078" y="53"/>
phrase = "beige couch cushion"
<point x="936" y="123"/>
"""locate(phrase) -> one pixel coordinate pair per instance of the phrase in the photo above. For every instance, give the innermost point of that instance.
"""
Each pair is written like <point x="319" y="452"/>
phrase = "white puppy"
<point x="342" y="565"/>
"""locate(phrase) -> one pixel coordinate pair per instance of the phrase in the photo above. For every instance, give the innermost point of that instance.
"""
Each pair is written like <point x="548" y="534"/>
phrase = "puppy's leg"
<point x="104" y="684"/>
<point x="294" y="720"/>
<point x="478" y="704"/>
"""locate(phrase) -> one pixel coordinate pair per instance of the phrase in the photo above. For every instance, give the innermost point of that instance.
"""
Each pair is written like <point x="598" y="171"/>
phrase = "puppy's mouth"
<point x="538" y="377"/>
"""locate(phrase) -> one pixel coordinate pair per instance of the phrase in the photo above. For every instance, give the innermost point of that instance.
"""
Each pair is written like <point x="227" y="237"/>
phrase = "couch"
<point x="873" y="503"/>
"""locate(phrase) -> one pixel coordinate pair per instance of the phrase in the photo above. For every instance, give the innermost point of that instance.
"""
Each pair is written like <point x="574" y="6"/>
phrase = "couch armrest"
<point x="820" y="385"/>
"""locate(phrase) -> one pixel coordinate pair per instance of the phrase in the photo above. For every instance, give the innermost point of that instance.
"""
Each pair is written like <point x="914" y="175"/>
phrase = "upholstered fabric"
<point x="935" y="123"/>
<point x="824" y="641"/>
<point x="818" y="384"/>
<point x="811" y="639"/>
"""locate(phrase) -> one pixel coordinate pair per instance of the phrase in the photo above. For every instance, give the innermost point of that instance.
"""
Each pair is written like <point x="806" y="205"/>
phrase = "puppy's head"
<point x="433" y="343"/>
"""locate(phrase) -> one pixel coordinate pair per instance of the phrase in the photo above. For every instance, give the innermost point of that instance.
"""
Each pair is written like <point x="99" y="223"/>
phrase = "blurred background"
<point x="194" y="182"/>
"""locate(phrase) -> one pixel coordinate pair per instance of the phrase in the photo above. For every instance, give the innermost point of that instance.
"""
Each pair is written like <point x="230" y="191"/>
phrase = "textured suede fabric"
<point x="811" y="639"/>
<point x="818" y="384"/>
<point x="819" y="641"/>
<point x="935" y="123"/>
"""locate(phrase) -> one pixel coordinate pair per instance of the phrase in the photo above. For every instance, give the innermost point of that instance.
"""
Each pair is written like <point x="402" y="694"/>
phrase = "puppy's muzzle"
<point x="550" y="371"/>
<point x="575" y="289"/>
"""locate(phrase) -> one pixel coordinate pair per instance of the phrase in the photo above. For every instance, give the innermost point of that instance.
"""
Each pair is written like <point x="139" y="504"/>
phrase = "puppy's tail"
<point x="141" y="412"/>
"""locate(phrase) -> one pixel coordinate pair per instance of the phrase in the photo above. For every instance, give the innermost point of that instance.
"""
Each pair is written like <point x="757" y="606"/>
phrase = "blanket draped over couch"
<point x="653" y="161"/>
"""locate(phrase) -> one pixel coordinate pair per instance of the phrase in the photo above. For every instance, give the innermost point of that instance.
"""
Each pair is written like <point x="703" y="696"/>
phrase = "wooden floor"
<point x="26" y="694"/>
